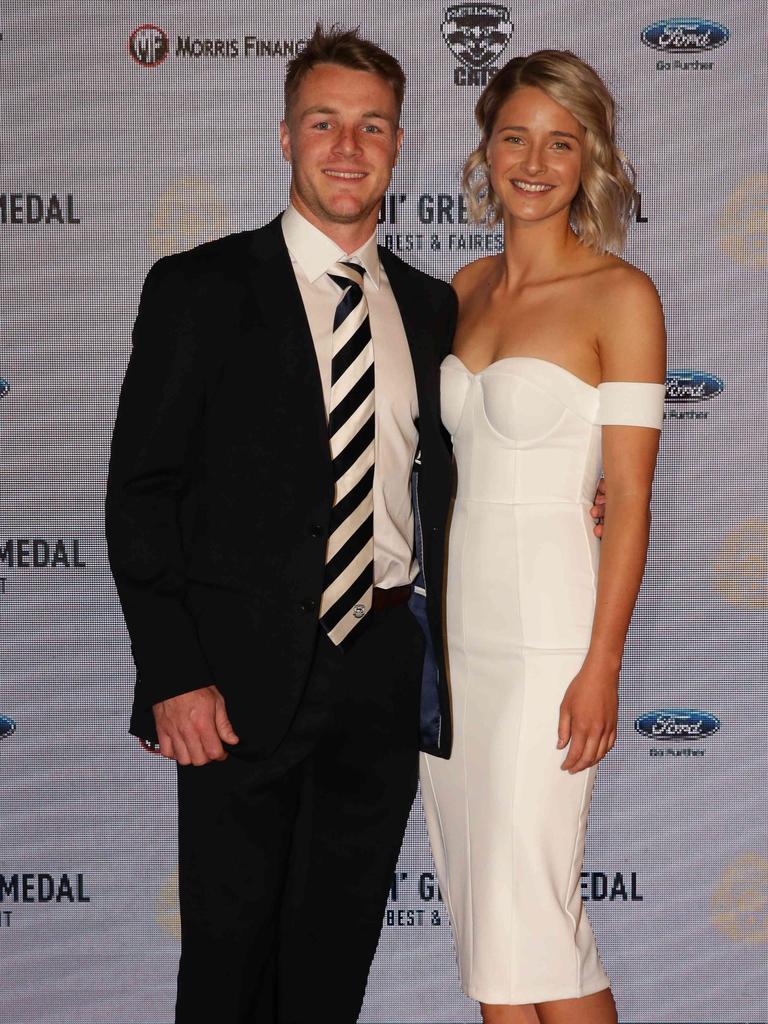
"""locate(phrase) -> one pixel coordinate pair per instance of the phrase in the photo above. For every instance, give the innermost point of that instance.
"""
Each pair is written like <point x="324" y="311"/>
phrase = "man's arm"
<point x="156" y="442"/>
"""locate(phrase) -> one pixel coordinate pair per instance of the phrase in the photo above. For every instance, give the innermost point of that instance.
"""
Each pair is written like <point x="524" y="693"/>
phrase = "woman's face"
<point x="534" y="154"/>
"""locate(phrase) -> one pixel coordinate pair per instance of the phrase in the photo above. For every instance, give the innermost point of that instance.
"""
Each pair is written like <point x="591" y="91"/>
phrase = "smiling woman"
<point x="556" y="375"/>
<point x="603" y="205"/>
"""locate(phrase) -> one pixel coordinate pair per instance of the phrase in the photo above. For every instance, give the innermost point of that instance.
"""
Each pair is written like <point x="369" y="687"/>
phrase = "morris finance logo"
<point x="477" y="35"/>
<point x="148" y="45"/>
<point x="247" y="46"/>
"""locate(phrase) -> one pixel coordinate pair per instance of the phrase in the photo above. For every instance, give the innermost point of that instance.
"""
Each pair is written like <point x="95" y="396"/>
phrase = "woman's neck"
<point x="535" y="251"/>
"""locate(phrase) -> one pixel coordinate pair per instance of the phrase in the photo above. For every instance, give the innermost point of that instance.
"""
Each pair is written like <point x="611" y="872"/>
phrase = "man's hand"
<point x="192" y="727"/>
<point x="598" y="509"/>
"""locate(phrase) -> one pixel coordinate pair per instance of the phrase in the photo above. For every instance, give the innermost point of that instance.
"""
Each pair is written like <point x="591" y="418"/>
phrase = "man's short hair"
<point x="347" y="49"/>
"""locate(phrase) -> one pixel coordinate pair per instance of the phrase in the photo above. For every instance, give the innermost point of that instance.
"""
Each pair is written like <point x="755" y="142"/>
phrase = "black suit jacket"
<point x="220" y="486"/>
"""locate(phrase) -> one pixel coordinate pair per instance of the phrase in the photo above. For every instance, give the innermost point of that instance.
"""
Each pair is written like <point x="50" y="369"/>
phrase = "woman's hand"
<point x="588" y="717"/>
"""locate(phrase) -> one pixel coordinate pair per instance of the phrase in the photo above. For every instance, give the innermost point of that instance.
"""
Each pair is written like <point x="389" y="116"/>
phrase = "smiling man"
<point x="261" y="520"/>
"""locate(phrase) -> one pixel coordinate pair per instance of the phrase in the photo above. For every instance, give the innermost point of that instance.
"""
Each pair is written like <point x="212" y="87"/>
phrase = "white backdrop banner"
<point x="131" y="131"/>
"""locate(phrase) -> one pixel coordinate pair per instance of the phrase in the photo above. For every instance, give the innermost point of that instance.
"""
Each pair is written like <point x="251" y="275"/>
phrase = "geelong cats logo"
<point x="477" y="34"/>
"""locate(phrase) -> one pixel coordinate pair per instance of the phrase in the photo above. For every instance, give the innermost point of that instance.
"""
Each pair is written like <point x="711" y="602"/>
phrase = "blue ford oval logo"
<point x="5" y="387"/>
<point x="692" y="386"/>
<point x="685" y="35"/>
<point x="7" y="726"/>
<point x="677" y="724"/>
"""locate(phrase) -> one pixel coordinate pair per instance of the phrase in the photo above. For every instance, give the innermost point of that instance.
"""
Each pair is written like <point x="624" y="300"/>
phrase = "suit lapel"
<point x="281" y="310"/>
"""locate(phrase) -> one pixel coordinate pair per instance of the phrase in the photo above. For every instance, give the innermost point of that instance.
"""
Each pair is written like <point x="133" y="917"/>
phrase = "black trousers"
<point x="285" y="864"/>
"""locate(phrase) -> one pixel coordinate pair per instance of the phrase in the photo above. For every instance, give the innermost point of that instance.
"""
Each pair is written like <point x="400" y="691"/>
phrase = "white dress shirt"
<point x="313" y="255"/>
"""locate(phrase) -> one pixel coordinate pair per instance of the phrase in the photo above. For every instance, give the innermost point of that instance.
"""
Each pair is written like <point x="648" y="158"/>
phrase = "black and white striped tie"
<point x="348" y="586"/>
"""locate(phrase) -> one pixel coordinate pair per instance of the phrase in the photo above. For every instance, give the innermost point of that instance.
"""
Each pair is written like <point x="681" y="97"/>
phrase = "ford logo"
<point x="5" y="387"/>
<point x="692" y="386"/>
<point x="677" y="724"/>
<point x="685" y="35"/>
<point x="7" y="727"/>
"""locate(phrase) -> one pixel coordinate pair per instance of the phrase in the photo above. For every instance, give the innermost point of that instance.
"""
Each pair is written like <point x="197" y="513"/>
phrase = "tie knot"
<point x="346" y="274"/>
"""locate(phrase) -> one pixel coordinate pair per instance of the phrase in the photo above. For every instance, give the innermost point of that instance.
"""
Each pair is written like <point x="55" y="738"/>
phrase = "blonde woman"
<point x="557" y="370"/>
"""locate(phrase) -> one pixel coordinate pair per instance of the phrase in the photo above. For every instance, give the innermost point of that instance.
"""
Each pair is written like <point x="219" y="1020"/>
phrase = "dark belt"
<point x="390" y="597"/>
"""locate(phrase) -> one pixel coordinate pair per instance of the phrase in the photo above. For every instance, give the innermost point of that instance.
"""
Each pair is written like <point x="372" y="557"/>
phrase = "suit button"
<point x="307" y="606"/>
<point x="315" y="531"/>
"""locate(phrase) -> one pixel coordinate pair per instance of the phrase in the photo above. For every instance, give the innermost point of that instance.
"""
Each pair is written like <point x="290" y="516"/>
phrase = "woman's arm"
<point x="632" y="348"/>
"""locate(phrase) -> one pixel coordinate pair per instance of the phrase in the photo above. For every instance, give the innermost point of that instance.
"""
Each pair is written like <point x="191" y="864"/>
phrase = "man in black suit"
<point x="261" y="522"/>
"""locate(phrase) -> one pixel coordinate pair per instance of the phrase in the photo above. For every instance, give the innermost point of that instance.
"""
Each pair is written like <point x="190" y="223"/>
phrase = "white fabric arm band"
<point x="629" y="404"/>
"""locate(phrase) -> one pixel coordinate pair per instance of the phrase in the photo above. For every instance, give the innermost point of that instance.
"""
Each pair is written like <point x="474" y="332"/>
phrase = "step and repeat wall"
<point x="134" y="130"/>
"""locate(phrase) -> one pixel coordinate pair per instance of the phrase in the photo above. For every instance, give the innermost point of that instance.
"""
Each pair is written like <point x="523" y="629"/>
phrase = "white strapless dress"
<point x="506" y="824"/>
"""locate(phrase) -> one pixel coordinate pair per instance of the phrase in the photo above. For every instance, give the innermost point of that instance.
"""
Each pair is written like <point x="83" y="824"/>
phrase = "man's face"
<point x="342" y="140"/>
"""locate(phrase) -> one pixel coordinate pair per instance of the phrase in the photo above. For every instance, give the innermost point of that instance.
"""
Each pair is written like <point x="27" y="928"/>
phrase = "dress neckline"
<point x="524" y="359"/>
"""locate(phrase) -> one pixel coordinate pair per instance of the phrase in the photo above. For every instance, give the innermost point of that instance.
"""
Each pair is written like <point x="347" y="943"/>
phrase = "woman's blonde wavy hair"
<point x="603" y="206"/>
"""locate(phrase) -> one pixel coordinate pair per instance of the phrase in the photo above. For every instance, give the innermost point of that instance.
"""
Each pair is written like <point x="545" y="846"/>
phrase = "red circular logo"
<point x="148" y="45"/>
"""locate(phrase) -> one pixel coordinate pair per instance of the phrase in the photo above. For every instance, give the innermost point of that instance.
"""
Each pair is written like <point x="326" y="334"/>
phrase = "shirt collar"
<point x="316" y="253"/>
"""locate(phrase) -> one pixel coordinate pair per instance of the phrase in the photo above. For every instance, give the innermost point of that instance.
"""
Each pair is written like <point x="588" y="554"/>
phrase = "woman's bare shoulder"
<point x="470" y="276"/>
<point x="624" y="288"/>
<point x="631" y="335"/>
